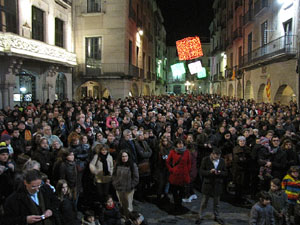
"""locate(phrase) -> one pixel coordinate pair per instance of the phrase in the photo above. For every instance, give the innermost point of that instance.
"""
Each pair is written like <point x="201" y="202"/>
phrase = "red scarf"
<point x="110" y="207"/>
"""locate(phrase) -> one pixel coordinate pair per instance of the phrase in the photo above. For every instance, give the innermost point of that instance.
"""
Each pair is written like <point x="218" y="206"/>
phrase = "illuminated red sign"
<point x="189" y="48"/>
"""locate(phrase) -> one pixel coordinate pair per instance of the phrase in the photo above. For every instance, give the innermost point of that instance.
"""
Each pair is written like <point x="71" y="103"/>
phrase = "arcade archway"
<point x="249" y="91"/>
<point x="284" y="95"/>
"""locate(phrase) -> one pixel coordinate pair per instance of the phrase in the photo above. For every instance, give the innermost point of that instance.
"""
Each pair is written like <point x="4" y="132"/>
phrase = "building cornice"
<point x="12" y="44"/>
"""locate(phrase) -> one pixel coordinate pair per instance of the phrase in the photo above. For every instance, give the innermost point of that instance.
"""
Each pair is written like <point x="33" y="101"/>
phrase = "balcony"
<point x="64" y="3"/>
<point x="111" y="70"/>
<point x="248" y="17"/>
<point x="228" y="73"/>
<point x="142" y="73"/>
<point x="16" y="45"/>
<point x="228" y="42"/>
<point x="237" y="33"/>
<point x="283" y="47"/>
<point x="260" y="5"/>
<point x="218" y="77"/>
<point x="132" y="14"/>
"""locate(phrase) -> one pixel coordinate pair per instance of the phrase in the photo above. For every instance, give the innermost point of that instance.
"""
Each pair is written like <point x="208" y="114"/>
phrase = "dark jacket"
<point x="111" y="216"/>
<point x="212" y="183"/>
<point x="262" y="215"/>
<point x="129" y="145"/>
<point x="19" y="205"/>
<point x="68" y="213"/>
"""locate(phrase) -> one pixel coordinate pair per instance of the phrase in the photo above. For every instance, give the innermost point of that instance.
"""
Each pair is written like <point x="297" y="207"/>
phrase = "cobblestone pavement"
<point x="158" y="214"/>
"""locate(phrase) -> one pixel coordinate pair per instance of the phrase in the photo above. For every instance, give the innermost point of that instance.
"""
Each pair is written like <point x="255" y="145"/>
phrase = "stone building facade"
<point x="36" y="51"/>
<point x="260" y="49"/>
<point x="116" y="47"/>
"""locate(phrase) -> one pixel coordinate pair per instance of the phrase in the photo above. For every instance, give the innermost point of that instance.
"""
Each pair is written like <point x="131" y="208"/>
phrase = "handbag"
<point x="144" y="167"/>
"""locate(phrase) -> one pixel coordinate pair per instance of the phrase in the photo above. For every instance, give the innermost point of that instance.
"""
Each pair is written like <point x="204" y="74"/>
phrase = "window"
<point x="264" y="33"/>
<point x="8" y="16"/>
<point x="37" y="24"/>
<point x="93" y="54"/>
<point x="130" y="52"/>
<point x="59" y="32"/>
<point x="264" y="37"/>
<point x="93" y="6"/>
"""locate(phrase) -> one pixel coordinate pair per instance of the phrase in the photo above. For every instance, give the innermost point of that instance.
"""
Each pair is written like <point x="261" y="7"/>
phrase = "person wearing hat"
<point x="213" y="171"/>
<point x="7" y="139"/>
<point x="7" y="168"/>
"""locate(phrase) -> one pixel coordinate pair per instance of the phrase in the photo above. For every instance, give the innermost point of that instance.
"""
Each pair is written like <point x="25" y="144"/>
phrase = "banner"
<point x="268" y="88"/>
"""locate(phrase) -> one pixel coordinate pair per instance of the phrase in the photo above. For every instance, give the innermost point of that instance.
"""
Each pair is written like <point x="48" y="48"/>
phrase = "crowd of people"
<point x="97" y="155"/>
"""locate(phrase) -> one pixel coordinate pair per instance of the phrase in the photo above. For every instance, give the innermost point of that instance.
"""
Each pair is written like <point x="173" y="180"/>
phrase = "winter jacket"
<point x="68" y="212"/>
<point x="111" y="216"/>
<point x="212" y="183"/>
<point x="68" y="172"/>
<point x="279" y="202"/>
<point x="291" y="186"/>
<point x="19" y="205"/>
<point x="124" y="179"/>
<point x="262" y="215"/>
<point x="96" y="168"/>
<point x="179" y="166"/>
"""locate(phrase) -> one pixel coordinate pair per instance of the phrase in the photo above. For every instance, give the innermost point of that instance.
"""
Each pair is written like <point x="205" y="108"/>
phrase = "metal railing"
<point x="248" y="17"/>
<point x="285" y="45"/>
<point x="259" y="5"/>
<point x="107" y="69"/>
<point x="132" y="14"/>
<point x="69" y="2"/>
<point x="237" y="33"/>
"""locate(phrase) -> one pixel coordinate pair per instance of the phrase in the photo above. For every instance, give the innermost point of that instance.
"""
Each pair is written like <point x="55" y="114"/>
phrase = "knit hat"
<point x="3" y="148"/>
<point x="5" y="137"/>
<point x="264" y="141"/>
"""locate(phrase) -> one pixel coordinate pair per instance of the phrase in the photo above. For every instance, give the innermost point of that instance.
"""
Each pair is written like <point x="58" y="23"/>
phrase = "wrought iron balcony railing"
<point x="259" y="5"/>
<point x="111" y="69"/>
<point x="283" y="46"/>
<point x="237" y="33"/>
<point x="248" y="17"/>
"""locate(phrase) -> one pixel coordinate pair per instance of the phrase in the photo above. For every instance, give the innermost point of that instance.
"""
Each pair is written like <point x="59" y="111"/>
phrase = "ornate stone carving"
<point x="14" y="44"/>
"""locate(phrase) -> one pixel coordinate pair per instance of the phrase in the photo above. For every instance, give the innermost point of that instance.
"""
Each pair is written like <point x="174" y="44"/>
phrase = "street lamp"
<point x="22" y="90"/>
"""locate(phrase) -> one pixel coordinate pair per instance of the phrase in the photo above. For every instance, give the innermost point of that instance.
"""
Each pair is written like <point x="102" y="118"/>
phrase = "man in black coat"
<point x="213" y="171"/>
<point x="29" y="204"/>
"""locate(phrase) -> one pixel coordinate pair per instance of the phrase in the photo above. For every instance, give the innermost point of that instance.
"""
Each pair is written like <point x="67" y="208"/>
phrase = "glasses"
<point x="36" y="187"/>
<point x="275" y="140"/>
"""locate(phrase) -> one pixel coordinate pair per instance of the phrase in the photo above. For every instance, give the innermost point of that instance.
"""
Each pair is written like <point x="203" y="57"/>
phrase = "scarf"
<point x="104" y="162"/>
<point x="180" y="150"/>
<point x="110" y="207"/>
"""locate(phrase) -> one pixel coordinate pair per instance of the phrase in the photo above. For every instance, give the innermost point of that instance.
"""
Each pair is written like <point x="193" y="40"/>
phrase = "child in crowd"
<point x="262" y="212"/>
<point x="89" y="219"/>
<point x="291" y="185"/>
<point x="279" y="201"/>
<point x="111" y="214"/>
<point x="265" y="170"/>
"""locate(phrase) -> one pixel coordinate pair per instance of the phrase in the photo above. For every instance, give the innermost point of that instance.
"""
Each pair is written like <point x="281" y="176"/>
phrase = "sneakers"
<point x="186" y="200"/>
<point x="193" y="197"/>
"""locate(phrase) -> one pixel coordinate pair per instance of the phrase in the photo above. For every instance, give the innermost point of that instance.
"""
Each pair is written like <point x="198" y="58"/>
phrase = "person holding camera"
<point x="213" y="171"/>
<point x="30" y="204"/>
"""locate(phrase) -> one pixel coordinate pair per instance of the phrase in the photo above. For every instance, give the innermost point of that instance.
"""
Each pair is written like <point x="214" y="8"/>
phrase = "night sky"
<point x="183" y="18"/>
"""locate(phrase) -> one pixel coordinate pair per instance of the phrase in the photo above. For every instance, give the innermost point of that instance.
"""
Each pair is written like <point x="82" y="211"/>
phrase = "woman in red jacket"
<point x="179" y="166"/>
